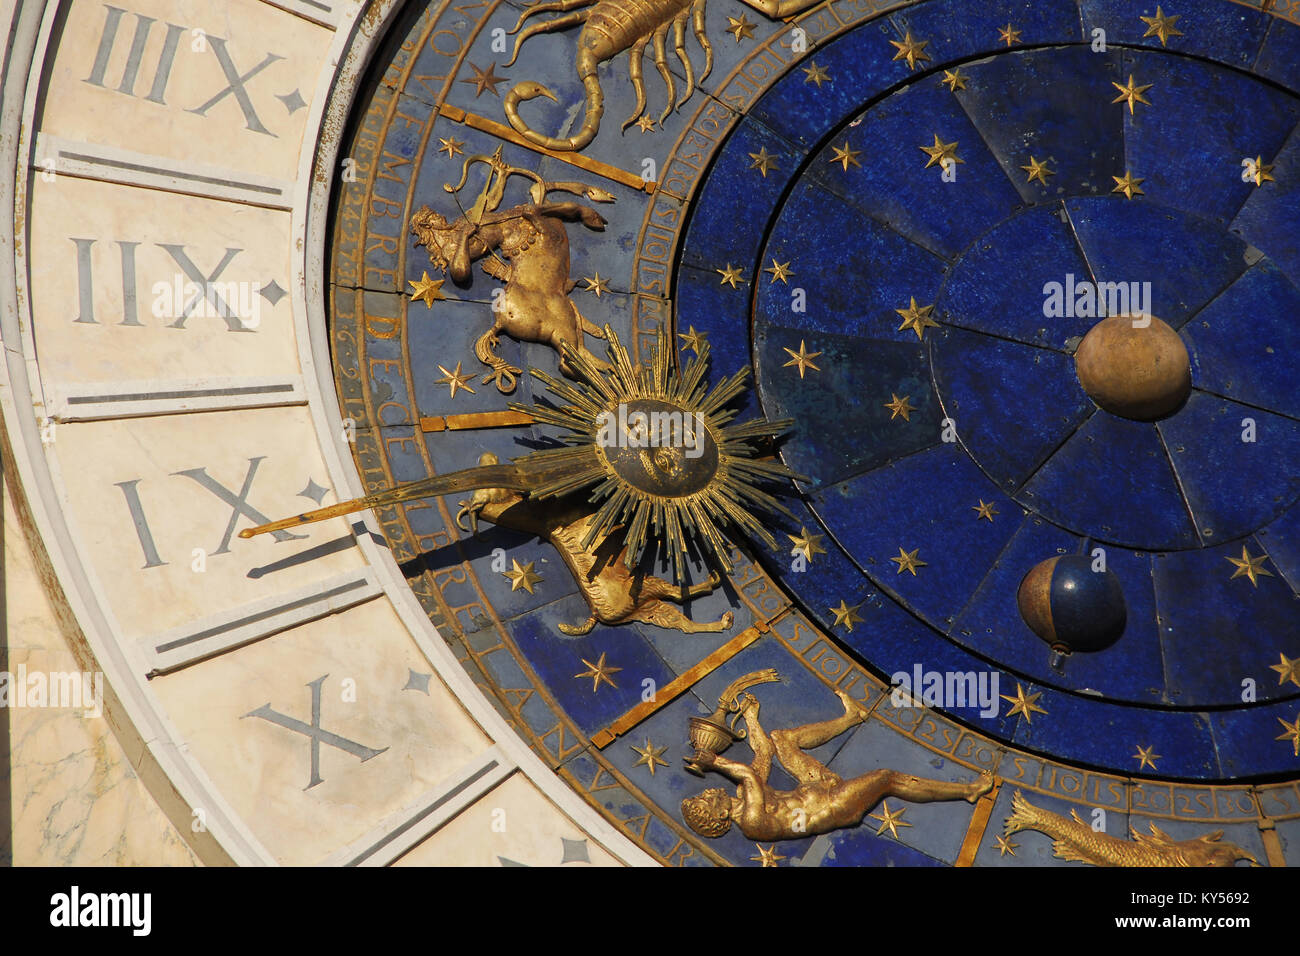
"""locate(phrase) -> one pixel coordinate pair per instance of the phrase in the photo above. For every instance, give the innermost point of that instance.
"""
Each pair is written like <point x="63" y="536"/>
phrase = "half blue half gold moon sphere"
<point x="1072" y="607"/>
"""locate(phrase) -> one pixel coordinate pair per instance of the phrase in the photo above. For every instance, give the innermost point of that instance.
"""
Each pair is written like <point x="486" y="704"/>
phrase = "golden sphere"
<point x="1134" y="370"/>
<point x="1034" y="597"/>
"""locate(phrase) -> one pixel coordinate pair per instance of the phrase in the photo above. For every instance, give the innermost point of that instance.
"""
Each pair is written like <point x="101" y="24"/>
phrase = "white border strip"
<point x="196" y="641"/>
<point x="112" y="164"/>
<point x="91" y="402"/>
<point x="407" y="828"/>
<point x="326" y="13"/>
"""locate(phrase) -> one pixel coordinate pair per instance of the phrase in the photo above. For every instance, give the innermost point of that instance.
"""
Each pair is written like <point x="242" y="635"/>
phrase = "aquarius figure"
<point x="822" y="801"/>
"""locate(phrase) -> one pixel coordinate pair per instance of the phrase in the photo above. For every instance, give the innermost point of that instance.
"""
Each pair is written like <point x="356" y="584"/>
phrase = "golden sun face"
<point x="657" y="448"/>
<point x="655" y="445"/>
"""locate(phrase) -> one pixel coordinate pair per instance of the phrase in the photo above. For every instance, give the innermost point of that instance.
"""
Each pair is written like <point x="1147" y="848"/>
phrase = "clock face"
<point x="885" y="413"/>
<point x="905" y="225"/>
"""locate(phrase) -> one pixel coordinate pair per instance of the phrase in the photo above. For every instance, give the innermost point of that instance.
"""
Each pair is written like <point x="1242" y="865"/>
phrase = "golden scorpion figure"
<point x="608" y="28"/>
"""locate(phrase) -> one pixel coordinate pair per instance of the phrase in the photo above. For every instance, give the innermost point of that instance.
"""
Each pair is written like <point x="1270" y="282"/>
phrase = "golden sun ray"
<point x="653" y="450"/>
<point x="685" y="491"/>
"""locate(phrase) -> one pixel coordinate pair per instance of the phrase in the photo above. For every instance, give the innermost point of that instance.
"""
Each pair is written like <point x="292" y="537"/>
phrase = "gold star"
<point x="1161" y="26"/>
<point x="693" y="340"/>
<point x="845" y="155"/>
<point x="730" y="276"/>
<point x="816" y="74"/>
<point x="917" y="318"/>
<point x="1037" y="170"/>
<point x="1252" y="568"/>
<point x="650" y="756"/>
<point x="890" y="821"/>
<point x="427" y="290"/>
<point x="451" y="146"/>
<point x="846" y="616"/>
<point x="900" y="406"/>
<point x="1005" y="846"/>
<point x="985" y="509"/>
<point x="1145" y="757"/>
<point x="941" y="153"/>
<point x="911" y="50"/>
<point x="1131" y="94"/>
<point x="522" y="577"/>
<point x="1009" y="34"/>
<point x="762" y="161"/>
<point x="954" y="79"/>
<point x="780" y="270"/>
<point x="1288" y="670"/>
<point x="1291" y="733"/>
<point x="767" y="857"/>
<point x="806" y="544"/>
<point x="596" y="284"/>
<point x="455" y="380"/>
<point x="1263" y="171"/>
<point x="598" y="672"/>
<point x="1023" y="703"/>
<point x="803" y="359"/>
<point x="740" y="28"/>
<point x="645" y="124"/>
<point x="1128" y="185"/>
<point x="484" y="80"/>
<point x="908" y="561"/>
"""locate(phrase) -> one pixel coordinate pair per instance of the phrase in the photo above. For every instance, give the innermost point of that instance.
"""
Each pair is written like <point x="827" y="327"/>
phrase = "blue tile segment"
<point x="1013" y="404"/>
<point x="1132" y="498"/>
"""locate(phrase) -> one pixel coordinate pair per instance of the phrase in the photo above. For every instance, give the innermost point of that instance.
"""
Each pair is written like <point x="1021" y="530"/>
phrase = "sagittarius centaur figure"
<point x="527" y="248"/>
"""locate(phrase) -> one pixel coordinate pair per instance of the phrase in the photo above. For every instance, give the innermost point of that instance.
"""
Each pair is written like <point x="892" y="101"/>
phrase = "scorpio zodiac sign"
<point x="535" y="306"/>
<point x="609" y="28"/>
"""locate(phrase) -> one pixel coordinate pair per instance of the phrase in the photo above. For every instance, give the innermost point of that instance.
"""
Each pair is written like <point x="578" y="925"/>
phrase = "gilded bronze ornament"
<point x="1074" y="840"/>
<point x="822" y="801"/>
<point x="614" y="593"/>
<point x="608" y="28"/>
<point x="527" y="248"/>
<point x="714" y="734"/>
<point x="649" y="454"/>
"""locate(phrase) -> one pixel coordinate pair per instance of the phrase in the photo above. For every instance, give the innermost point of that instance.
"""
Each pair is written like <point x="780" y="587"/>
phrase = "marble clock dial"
<point x="1013" y="284"/>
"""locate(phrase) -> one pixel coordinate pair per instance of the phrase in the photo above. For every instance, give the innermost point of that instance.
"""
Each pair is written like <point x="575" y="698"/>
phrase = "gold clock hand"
<point x="677" y="494"/>
<point x="527" y="474"/>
